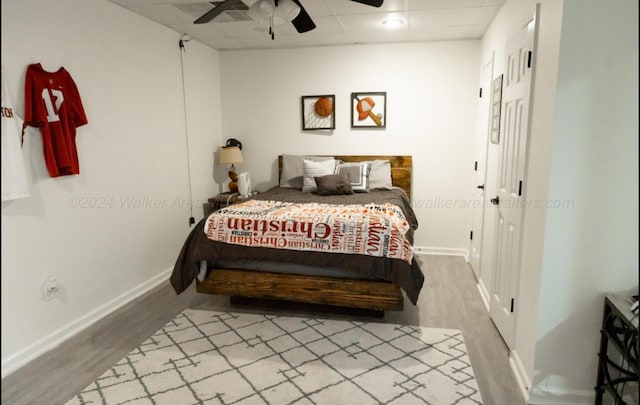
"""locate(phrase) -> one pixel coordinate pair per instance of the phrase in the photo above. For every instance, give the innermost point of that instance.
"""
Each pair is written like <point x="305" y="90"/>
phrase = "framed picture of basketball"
<point x="369" y="110"/>
<point x="318" y="112"/>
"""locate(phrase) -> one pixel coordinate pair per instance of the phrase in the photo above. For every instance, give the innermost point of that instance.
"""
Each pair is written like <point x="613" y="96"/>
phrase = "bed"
<point x="315" y="277"/>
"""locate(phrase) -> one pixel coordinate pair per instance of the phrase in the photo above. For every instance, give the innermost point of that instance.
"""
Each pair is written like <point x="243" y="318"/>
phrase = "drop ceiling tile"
<point x="442" y="4"/>
<point x="151" y="2"/>
<point x="447" y="17"/>
<point x="366" y="22"/>
<point x="316" y="8"/>
<point x="163" y="13"/>
<point x="351" y="7"/>
<point x="428" y="20"/>
<point x="328" y="24"/>
<point x="195" y="10"/>
<point x="446" y="33"/>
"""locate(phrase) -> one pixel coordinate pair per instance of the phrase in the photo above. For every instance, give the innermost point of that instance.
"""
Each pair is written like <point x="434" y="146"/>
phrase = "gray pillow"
<point x="358" y="174"/>
<point x="380" y="175"/>
<point x="333" y="184"/>
<point x="293" y="169"/>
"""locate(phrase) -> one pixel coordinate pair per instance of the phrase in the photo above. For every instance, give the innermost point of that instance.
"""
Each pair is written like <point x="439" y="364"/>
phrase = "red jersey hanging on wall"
<point x="52" y="103"/>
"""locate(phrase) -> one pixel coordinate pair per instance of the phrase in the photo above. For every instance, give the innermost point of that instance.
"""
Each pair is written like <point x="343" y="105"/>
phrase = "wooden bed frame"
<point x="340" y="292"/>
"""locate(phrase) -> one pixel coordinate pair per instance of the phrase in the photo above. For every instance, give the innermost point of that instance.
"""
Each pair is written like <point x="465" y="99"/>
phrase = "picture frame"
<point x="369" y="110"/>
<point x="496" y="105"/>
<point x="318" y="112"/>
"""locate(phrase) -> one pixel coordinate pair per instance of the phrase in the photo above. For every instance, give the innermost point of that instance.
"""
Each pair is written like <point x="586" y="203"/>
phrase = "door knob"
<point x="481" y="186"/>
<point x="495" y="201"/>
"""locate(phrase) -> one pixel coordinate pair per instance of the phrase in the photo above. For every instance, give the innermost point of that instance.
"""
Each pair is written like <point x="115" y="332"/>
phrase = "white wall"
<point x="78" y="228"/>
<point x="204" y="119"/>
<point x="541" y="121"/>
<point x="432" y="95"/>
<point x="538" y="165"/>
<point x="585" y="85"/>
<point x="591" y="249"/>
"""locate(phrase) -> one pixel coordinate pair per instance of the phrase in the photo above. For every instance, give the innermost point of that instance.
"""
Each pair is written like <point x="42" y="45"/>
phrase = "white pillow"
<point x="315" y="169"/>
<point x="293" y="170"/>
<point x="357" y="173"/>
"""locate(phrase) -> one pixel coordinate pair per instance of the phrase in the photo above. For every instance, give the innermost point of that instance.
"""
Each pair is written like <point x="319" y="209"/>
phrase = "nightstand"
<point x="222" y="200"/>
<point x="618" y="357"/>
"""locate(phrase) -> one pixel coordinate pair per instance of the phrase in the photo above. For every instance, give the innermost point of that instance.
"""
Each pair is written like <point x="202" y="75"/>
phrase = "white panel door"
<point x="480" y="166"/>
<point x="510" y="202"/>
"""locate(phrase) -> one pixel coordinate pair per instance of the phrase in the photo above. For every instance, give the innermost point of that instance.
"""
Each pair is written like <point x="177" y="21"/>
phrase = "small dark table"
<point x="618" y="368"/>
<point x="222" y="200"/>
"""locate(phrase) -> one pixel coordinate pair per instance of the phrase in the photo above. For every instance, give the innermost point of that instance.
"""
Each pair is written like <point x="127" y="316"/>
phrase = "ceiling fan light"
<point x="287" y="9"/>
<point x="263" y="25"/>
<point x="266" y="8"/>
<point x="261" y="9"/>
<point x="393" y="22"/>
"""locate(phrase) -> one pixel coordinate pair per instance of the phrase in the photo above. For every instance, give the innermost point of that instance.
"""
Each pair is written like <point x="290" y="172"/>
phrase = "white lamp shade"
<point x="287" y="9"/>
<point x="263" y="10"/>
<point x="230" y="155"/>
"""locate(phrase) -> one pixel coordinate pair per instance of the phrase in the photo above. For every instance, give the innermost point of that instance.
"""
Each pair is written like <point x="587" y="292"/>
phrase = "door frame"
<point x="508" y="332"/>
<point x="482" y="142"/>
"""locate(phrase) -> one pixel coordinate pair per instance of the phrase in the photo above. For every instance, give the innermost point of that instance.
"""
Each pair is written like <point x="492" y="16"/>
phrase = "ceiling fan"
<point x="301" y="21"/>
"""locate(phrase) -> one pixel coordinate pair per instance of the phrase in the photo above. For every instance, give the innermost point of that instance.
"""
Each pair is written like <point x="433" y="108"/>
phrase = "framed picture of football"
<point x="318" y="112"/>
<point x="369" y="110"/>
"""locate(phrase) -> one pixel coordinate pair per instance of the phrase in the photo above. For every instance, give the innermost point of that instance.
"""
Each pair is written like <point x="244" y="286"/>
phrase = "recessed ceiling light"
<point x="393" y="22"/>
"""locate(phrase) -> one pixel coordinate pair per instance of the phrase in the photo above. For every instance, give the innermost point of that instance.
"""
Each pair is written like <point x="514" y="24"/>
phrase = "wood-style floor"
<point x="449" y="299"/>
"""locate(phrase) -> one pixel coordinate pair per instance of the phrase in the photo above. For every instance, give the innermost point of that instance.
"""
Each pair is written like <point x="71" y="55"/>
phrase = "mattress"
<point x="198" y="248"/>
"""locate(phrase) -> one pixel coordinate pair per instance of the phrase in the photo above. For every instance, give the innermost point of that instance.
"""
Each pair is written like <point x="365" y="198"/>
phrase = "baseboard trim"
<point x="523" y="380"/>
<point x="54" y="339"/>
<point x="561" y="396"/>
<point x="484" y="294"/>
<point x="433" y="250"/>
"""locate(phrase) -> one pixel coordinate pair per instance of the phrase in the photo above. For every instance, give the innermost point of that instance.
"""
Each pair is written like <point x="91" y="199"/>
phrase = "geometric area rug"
<point x="207" y="357"/>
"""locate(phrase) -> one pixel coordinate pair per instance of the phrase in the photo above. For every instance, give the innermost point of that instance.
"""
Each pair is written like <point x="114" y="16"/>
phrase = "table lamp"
<point x="228" y="156"/>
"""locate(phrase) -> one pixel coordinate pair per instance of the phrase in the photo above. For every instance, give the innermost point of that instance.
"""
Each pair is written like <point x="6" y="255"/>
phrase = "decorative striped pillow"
<point x="315" y="169"/>
<point x="293" y="169"/>
<point x="358" y="174"/>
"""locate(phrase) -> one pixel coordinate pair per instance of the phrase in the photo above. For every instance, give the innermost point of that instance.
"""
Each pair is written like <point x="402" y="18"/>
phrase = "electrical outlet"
<point x="50" y="288"/>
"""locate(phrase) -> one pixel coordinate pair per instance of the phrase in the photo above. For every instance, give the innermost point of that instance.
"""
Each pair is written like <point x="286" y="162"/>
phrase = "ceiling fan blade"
<point x="216" y="11"/>
<point x="374" y="3"/>
<point x="303" y="21"/>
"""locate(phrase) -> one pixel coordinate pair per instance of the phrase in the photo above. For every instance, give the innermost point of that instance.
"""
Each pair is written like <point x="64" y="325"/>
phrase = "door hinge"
<point x="480" y="92"/>
<point x="520" y="189"/>
<point x="471" y="235"/>
<point x="475" y="166"/>
<point x="512" y="303"/>
<point x="529" y="56"/>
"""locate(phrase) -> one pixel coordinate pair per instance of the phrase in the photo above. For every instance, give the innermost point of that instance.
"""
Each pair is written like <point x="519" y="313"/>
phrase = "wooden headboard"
<point x="401" y="167"/>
